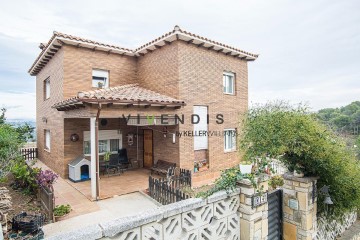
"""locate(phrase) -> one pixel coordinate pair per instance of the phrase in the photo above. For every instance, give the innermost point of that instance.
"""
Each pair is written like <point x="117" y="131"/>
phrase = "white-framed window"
<point x="200" y="128"/>
<point x="47" y="88"/>
<point x="109" y="141"/>
<point x="100" y="78"/>
<point x="229" y="83"/>
<point x="47" y="139"/>
<point x="229" y="140"/>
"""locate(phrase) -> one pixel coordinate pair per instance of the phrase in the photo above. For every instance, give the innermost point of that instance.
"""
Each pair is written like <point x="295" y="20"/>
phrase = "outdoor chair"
<point x="113" y="163"/>
<point x="124" y="161"/>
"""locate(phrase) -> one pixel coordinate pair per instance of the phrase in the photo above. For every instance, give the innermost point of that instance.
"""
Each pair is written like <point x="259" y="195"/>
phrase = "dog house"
<point x="79" y="169"/>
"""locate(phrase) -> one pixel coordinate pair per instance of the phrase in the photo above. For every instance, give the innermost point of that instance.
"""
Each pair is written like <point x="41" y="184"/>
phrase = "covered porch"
<point x="144" y="145"/>
<point x="103" y="120"/>
<point x="130" y="181"/>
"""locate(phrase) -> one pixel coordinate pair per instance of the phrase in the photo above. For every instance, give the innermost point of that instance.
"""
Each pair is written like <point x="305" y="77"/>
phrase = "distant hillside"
<point x="344" y="119"/>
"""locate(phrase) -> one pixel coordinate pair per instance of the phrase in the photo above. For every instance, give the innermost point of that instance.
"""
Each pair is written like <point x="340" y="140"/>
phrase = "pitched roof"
<point x="129" y="94"/>
<point x="84" y="40"/>
<point x="58" y="39"/>
<point x="193" y="38"/>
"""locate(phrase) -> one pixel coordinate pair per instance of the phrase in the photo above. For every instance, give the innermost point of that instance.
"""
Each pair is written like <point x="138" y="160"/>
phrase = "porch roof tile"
<point x="125" y="94"/>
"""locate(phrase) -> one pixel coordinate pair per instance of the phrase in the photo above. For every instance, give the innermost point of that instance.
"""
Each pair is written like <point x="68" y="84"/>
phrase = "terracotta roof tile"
<point x="177" y="28"/>
<point x="36" y="67"/>
<point x="125" y="93"/>
<point x="71" y="37"/>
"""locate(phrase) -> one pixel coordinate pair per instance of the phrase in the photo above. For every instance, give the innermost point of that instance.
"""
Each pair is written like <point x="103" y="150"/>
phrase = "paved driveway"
<point x="111" y="208"/>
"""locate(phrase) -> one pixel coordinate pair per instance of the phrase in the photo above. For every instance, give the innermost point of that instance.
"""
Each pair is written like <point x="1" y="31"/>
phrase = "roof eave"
<point x="178" y="35"/>
<point x="82" y="102"/>
<point x="60" y="41"/>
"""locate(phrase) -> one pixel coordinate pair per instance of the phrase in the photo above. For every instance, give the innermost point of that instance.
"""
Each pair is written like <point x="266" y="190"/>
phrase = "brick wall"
<point x="164" y="148"/>
<point x="183" y="66"/>
<point x="54" y="119"/>
<point x="159" y="70"/>
<point x="79" y="63"/>
<point x="199" y="65"/>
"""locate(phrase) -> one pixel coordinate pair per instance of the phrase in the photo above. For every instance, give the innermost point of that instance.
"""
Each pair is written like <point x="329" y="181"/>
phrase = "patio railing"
<point x="277" y="167"/>
<point x="29" y="153"/>
<point x="168" y="190"/>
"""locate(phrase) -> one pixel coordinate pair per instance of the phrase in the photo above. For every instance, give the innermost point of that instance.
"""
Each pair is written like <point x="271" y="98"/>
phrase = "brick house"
<point x="87" y="89"/>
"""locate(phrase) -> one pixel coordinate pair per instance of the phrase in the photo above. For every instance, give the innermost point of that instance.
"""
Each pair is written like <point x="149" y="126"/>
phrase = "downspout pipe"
<point x="97" y="152"/>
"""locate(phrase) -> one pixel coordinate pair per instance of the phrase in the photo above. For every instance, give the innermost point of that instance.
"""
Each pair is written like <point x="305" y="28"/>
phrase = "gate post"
<point x="253" y="221"/>
<point x="299" y="206"/>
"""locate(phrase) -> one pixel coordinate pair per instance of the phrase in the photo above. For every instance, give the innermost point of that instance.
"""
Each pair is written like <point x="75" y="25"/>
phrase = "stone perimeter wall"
<point x="300" y="216"/>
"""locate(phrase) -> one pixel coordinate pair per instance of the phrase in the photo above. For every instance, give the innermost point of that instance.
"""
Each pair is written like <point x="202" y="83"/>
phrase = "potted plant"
<point x="61" y="211"/>
<point x="107" y="156"/>
<point x="246" y="167"/>
<point x="196" y="166"/>
<point x="276" y="181"/>
<point x="100" y="85"/>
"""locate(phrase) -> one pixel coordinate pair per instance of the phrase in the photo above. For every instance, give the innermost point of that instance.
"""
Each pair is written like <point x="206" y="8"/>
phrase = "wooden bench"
<point x="161" y="167"/>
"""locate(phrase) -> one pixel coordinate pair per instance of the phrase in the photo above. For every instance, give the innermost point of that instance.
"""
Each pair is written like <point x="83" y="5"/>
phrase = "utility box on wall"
<point x="79" y="169"/>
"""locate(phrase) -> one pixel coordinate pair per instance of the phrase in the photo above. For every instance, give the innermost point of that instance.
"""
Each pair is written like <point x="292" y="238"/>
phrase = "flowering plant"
<point x="46" y="178"/>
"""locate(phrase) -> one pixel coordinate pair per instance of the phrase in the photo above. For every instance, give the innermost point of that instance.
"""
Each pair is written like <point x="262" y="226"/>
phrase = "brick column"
<point x="253" y="221"/>
<point x="299" y="207"/>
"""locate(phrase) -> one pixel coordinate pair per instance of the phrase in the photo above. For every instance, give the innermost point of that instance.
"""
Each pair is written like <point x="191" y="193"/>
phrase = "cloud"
<point x="19" y="105"/>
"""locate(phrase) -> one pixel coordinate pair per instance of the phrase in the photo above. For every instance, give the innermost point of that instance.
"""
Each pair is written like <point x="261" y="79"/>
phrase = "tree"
<point x="10" y="143"/>
<point x="2" y="116"/>
<point x="296" y="137"/>
<point x="11" y="139"/>
<point x="344" y="119"/>
<point x="357" y="147"/>
<point x="25" y="132"/>
<point x="341" y="121"/>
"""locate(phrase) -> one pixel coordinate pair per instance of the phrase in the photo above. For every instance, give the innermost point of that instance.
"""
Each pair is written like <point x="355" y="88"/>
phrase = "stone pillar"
<point x="299" y="207"/>
<point x="253" y="221"/>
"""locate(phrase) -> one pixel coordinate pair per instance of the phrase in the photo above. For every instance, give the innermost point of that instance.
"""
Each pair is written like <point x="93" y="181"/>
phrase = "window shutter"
<point x="100" y="73"/>
<point x="201" y="142"/>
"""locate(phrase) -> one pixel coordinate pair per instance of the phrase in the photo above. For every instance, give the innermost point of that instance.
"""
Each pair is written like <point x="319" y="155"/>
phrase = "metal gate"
<point x="275" y="215"/>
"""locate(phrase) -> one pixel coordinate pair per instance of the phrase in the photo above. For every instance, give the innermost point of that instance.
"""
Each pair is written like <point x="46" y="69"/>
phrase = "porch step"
<point x="353" y="233"/>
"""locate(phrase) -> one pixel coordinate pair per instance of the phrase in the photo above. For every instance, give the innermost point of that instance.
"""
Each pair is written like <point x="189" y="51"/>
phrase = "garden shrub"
<point x="227" y="181"/>
<point x="46" y="178"/>
<point x="9" y="149"/>
<point x="296" y="137"/>
<point x="11" y="140"/>
<point x="25" y="177"/>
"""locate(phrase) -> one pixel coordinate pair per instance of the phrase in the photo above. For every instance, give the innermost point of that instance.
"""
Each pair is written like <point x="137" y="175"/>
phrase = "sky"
<point x="309" y="50"/>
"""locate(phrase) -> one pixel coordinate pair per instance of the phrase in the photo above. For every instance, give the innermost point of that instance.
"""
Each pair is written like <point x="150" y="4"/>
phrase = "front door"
<point x="148" y="148"/>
